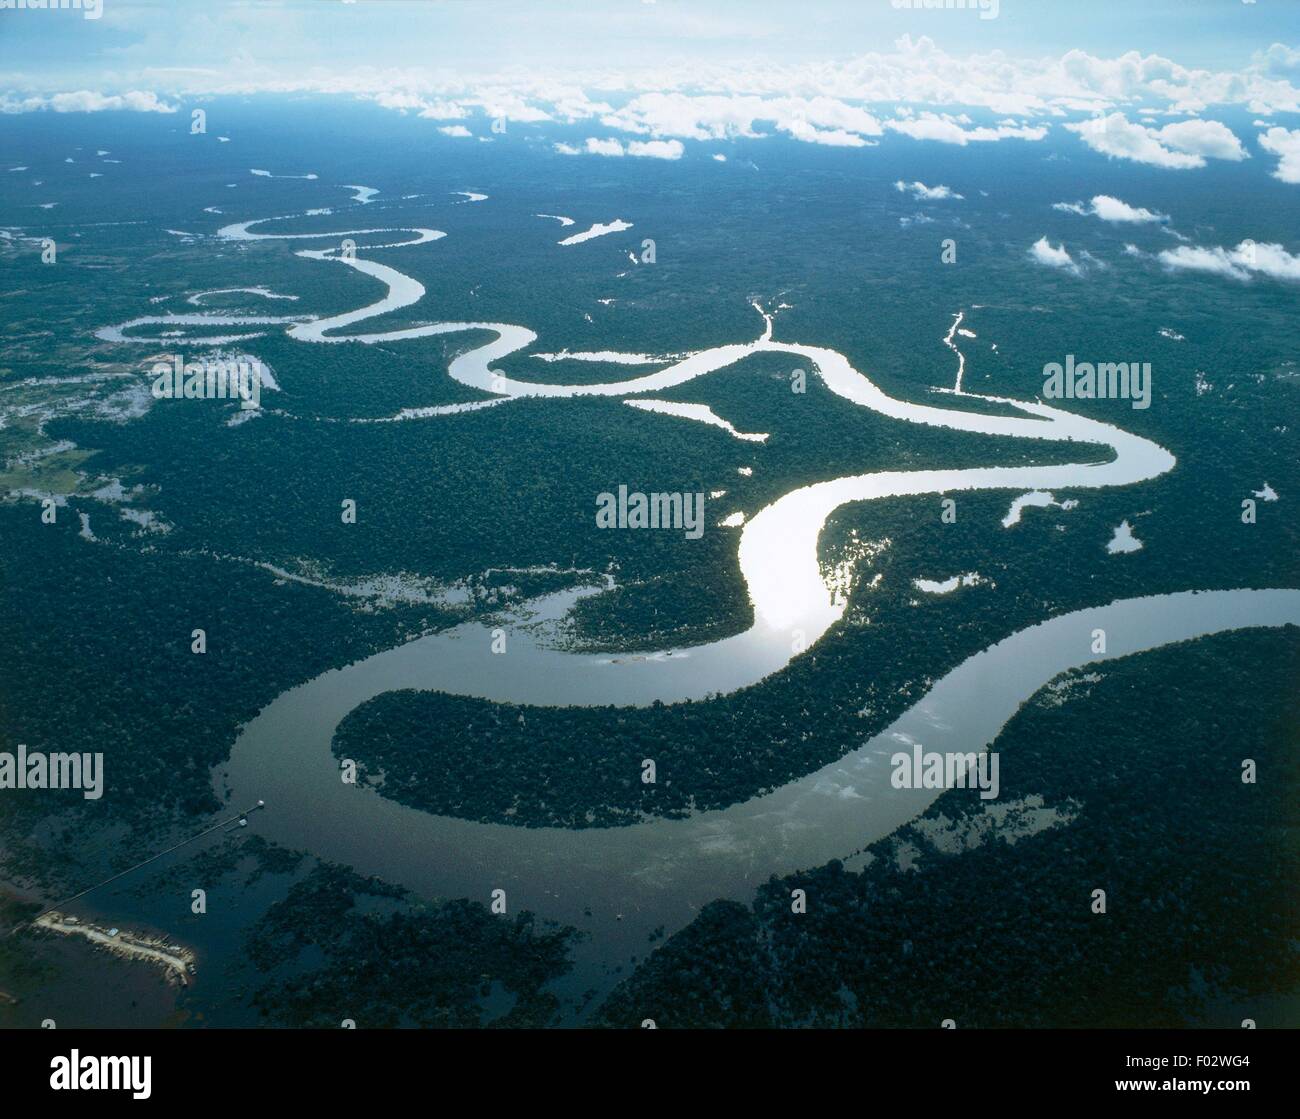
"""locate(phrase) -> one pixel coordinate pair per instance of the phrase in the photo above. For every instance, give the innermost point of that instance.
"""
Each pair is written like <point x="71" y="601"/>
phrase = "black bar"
<point x="338" y="1067"/>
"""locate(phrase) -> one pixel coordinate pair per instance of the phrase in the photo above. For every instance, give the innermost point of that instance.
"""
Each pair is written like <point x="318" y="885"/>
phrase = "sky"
<point x="1166" y="83"/>
<point x="136" y="40"/>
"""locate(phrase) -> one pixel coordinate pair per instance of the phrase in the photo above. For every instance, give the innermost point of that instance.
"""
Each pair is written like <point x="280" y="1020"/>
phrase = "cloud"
<point x="815" y="120"/>
<point x="1137" y="77"/>
<point x="509" y="104"/>
<point x="1204" y="137"/>
<point x="1111" y="209"/>
<point x="1197" y="259"/>
<point x="216" y="54"/>
<point x="825" y="102"/>
<point x="930" y="194"/>
<point x="833" y="137"/>
<point x="649" y="149"/>
<point x="593" y="146"/>
<point x="948" y="130"/>
<point x="84" y="101"/>
<point x="1054" y="256"/>
<point x="1240" y="263"/>
<point x="1286" y="145"/>
<point x="1279" y="61"/>
<point x="1179" y="146"/>
<point x="458" y="130"/>
<point x="436" y="109"/>
<point x="400" y="100"/>
<point x="656" y="149"/>
<point x="693" y="118"/>
<point x="1090" y="261"/>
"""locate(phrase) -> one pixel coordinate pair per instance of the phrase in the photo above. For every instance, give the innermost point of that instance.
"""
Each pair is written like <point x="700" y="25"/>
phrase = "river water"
<point x="621" y="883"/>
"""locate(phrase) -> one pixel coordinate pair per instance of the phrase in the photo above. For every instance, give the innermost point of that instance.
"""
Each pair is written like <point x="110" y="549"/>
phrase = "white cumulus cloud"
<point x="1179" y="146"/>
<point x="84" y="101"/>
<point x="833" y="137"/>
<point x="647" y="149"/>
<point x="1108" y="208"/>
<point x="948" y="129"/>
<point x="1240" y="263"/>
<point x="1286" y="145"/>
<point x="822" y="120"/>
<point x="1054" y="256"/>
<point x="930" y="194"/>
<point x="656" y="149"/>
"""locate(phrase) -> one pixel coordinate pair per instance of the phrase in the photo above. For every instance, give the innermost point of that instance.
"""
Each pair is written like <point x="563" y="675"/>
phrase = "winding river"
<point x="620" y="883"/>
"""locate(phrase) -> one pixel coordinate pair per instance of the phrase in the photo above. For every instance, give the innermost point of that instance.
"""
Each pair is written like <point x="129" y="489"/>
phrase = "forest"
<point x="1197" y="868"/>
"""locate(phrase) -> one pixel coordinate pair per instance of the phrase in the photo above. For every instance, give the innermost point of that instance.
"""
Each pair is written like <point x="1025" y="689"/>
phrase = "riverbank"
<point x="176" y="961"/>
